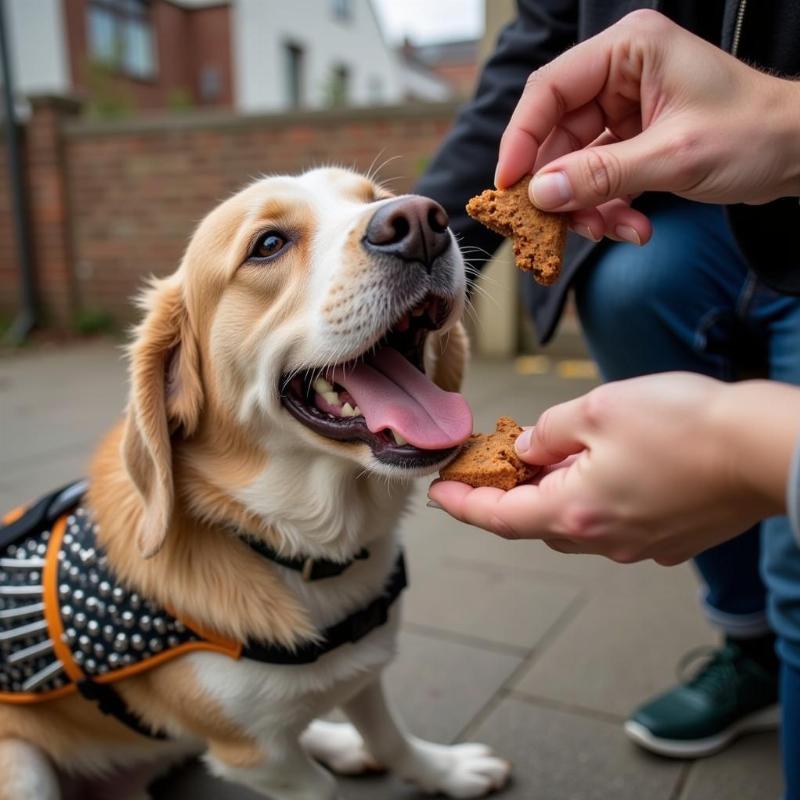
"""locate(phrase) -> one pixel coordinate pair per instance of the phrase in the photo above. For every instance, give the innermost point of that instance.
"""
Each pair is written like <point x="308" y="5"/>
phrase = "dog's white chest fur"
<point x="332" y="513"/>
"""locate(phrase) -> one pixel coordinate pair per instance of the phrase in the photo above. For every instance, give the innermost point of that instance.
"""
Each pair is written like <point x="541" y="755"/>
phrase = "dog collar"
<point x="312" y="569"/>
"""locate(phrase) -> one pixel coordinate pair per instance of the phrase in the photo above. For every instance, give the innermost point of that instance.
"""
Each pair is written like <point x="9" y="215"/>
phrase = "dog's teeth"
<point x="348" y="410"/>
<point x="321" y="385"/>
<point x="398" y="438"/>
<point x="331" y="397"/>
<point x="357" y="412"/>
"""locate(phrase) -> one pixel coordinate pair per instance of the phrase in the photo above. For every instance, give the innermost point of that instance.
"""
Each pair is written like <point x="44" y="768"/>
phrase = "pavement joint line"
<point x="431" y="631"/>
<point x="682" y="784"/>
<point x="506" y="688"/>
<point x="568" y="708"/>
<point x="550" y="577"/>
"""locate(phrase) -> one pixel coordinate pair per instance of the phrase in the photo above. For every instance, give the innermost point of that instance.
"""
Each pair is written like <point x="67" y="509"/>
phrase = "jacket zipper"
<point x="737" y="31"/>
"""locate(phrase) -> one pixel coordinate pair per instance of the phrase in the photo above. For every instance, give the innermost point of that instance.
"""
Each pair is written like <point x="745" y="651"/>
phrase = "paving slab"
<point x="564" y="756"/>
<point x="623" y="644"/>
<point x="749" y="770"/>
<point x="58" y="399"/>
<point x="430" y="534"/>
<point x="487" y="602"/>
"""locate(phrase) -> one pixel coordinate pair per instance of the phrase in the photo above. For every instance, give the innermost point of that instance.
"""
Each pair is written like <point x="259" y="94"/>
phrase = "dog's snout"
<point x="413" y="228"/>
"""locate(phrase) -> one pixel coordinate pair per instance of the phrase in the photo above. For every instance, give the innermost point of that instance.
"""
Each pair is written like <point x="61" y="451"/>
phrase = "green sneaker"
<point x="730" y="695"/>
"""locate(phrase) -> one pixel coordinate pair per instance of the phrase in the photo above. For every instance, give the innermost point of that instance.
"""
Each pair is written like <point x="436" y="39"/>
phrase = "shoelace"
<point x="717" y="675"/>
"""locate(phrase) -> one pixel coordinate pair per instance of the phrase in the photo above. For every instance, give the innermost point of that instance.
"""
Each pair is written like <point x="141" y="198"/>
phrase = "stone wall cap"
<point x="65" y="104"/>
<point x="199" y="120"/>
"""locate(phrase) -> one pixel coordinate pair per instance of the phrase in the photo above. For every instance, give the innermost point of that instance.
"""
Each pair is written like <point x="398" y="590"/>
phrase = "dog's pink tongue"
<point x="392" y="393"/>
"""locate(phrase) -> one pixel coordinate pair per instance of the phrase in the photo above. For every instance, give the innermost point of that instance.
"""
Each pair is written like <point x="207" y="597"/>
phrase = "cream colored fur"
<point x="206" y="447"/>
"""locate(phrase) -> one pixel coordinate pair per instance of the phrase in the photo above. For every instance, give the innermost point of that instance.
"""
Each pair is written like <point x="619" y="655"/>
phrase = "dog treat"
<point x="538" y="237"/>
<point x="489" y="459"/>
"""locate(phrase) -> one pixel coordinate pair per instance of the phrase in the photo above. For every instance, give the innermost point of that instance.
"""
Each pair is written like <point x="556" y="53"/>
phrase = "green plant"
<point x="179" y="98"/>
<point x="91" y="321"/>
<point x="109" y="98"/>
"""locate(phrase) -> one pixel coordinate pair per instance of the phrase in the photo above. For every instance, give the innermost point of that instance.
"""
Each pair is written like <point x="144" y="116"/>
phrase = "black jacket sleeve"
<point x="465" y="162"/>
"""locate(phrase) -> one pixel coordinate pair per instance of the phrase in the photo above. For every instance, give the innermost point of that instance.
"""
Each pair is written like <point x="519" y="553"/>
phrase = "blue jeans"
<point x="790" y="729"/>
<point x="687" y="301"/>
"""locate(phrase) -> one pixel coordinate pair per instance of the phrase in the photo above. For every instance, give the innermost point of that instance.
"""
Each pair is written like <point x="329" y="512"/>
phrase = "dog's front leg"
<point x="461" y="770"/>
<point x="285" y="772"/>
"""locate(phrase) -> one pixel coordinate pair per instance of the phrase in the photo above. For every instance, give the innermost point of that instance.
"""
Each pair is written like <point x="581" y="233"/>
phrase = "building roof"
<point x="441" y="53"/>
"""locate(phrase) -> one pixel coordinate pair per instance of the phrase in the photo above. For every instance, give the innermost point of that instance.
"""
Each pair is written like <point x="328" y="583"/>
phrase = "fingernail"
<point x="434" y="504"/>
<point x="523" y="443"/>
<point x="550" y="190"/>
<point x="496" y="170"/>
<point x="586" y="232"/>
<point x="628" y="234"/>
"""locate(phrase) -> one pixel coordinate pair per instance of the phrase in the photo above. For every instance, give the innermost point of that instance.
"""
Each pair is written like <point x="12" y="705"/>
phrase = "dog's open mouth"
<point x="384" y="398"/>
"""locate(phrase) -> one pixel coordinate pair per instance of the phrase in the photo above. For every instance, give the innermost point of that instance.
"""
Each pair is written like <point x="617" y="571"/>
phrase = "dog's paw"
<point x="339" y="747"/>
<point x="459" y="771"/>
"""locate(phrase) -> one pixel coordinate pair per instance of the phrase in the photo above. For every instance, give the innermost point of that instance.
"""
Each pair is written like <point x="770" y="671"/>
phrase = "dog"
<point x="286" y="383"/>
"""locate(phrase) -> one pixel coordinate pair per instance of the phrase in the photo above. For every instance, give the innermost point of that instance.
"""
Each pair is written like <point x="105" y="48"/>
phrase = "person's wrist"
<point x="786" y="104"/>
<point x="751" y="455"/>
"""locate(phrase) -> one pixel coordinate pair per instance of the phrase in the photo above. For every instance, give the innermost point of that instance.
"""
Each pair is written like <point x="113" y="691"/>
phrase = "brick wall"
<point x="9" y="287"/>
<point x="136" y="189"/>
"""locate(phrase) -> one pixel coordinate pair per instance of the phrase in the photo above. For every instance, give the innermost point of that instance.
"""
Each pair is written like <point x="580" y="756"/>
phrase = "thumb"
<point x="555" y="436"/>
<point x="594" y="175"/>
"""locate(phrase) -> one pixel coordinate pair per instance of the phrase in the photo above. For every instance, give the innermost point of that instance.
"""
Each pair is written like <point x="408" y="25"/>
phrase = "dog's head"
<point x="316" y="312"/>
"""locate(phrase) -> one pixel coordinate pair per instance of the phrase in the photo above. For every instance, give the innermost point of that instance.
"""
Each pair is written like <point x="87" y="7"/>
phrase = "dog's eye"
<point x="269" y="244"/>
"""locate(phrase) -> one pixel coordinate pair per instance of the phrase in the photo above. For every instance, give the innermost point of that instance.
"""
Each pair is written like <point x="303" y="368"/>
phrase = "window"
<point x="294" y="75"/>
<point x="340" y="86"/>
<point x="210" y="84"/>
<point x="342" y="9"/>
<point x="121" y="36"/>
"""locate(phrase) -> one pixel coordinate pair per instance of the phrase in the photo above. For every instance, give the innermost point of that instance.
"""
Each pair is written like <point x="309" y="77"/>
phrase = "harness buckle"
<point x="308" y="570"/>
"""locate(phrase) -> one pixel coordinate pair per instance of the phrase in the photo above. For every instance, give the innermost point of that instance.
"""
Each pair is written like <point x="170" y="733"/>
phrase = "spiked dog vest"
<point x="68" y="624"/>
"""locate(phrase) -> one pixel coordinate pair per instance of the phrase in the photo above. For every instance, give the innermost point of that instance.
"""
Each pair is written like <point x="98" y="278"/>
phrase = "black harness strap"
<point x="349" y="630"/>
<point x="42" y="513"/>
<point x="109" y="701"/>
<point x="312" y="569"/>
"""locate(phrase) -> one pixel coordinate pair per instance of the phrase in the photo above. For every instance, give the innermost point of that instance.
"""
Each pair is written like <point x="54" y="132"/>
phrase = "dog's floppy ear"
<point x="165" y="400"/>
<point x="446" y="356"/>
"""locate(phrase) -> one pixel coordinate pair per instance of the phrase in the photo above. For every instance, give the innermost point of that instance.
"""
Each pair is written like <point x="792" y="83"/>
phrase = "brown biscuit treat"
<point x="538" y="236"/>
<point x="489" y="459"/>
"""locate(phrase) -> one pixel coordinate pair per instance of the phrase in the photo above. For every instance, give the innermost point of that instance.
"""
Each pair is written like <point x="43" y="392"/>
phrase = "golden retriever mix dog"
<point x="229" y="575"/>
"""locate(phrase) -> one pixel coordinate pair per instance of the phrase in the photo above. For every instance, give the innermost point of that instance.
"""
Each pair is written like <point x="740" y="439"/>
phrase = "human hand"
<point x="647" y="106"/>
<point x="658" y="467"/>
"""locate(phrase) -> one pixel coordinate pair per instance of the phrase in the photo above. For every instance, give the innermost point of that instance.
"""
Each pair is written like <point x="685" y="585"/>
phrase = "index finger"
<point x="568" y="82"/>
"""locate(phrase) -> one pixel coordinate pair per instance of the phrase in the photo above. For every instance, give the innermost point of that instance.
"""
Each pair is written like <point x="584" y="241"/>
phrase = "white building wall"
<point x="261" y="29"/>
<point x="36" y="31"/>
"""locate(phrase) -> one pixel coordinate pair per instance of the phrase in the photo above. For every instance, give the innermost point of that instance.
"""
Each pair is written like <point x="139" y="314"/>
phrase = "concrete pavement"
<point x="538" y="654"/>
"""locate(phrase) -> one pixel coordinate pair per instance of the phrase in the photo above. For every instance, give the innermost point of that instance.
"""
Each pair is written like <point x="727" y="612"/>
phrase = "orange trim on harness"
<point x="36" y="697"/>
<point x="213" y="642"/>
<point x="167" y="655"/>
<point x="12" y="516"/>
<point x="221" y="643"/>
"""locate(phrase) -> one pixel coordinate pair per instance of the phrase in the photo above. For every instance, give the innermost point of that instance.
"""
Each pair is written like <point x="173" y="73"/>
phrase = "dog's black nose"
<point x="413" y="228"/>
